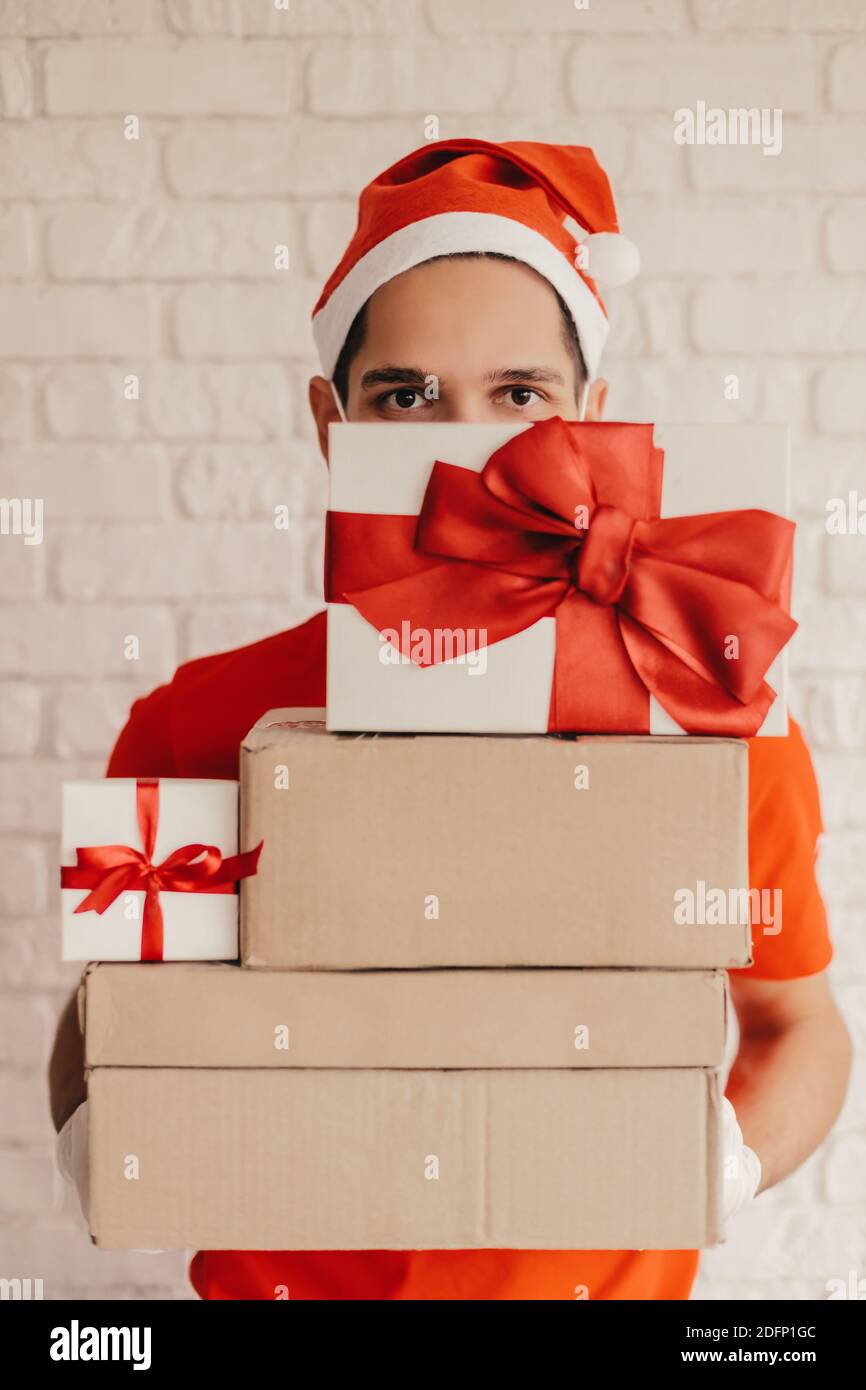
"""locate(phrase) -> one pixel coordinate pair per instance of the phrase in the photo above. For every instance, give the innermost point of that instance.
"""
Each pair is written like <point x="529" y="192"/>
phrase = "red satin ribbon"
<point x="563" y="521"/>
<point x="110" y="870"/>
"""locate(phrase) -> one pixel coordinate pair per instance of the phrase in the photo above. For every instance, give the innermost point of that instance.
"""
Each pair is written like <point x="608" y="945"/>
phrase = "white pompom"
<point x="611" y="258"/>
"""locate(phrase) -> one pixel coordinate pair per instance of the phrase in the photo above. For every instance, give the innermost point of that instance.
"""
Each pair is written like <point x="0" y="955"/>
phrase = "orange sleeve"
<point x="144" y="746"/>
<point x="785" y="824"/>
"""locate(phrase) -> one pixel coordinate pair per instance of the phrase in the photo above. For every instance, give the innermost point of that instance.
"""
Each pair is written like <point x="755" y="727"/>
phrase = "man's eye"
<point x="522" y="396"/>
<point x="405" y="398"/>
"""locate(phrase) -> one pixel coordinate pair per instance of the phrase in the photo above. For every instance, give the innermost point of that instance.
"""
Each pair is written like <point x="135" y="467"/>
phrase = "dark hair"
<point x="358" y="329"/>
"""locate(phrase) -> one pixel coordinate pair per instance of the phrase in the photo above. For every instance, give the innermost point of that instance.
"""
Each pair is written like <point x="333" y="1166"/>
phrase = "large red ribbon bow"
<point x="563" y="521"/>
<point x="110" y="870"/>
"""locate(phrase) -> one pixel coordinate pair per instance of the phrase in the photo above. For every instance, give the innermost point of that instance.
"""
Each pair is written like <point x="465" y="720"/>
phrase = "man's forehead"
<point x="466" y="275"/>
<point x="517" y="321"/>
<point x="467" y="320"/>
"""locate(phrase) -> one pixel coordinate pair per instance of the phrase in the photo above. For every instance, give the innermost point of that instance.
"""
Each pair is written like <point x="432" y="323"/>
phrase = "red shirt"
<point x="193" y="726"/>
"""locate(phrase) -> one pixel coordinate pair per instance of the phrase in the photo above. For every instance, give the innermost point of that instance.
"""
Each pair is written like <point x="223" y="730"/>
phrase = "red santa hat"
<point x="548" y="206"/>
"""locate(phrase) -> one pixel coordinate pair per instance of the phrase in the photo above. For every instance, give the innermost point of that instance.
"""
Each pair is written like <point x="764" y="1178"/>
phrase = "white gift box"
<point x="380" y="469"/>
<point x="196" y="925"/>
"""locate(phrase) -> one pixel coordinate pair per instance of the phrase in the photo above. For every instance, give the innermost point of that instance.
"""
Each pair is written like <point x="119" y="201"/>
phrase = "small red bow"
<point x="110" y="870"/>
<point x="563" y="521"/>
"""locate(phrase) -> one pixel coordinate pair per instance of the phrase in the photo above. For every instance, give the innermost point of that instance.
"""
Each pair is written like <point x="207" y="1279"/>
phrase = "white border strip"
<point x="458" y="231"/>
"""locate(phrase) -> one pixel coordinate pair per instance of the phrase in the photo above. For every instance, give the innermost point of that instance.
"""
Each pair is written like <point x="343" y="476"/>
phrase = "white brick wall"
<point x="155" y="258"/>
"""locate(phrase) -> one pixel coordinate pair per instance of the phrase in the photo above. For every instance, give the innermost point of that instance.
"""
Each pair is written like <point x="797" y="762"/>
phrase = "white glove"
<point x="72" y="1156"/>
<point x="73" y="1161"/>
<point x="742" y="1167"/>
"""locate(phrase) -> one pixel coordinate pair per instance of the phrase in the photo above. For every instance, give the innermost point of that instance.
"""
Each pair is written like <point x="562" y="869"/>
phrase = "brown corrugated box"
<point x="429" y="850"/>
<point x="350" y="1139"/>
<point x="215" y="1015"/>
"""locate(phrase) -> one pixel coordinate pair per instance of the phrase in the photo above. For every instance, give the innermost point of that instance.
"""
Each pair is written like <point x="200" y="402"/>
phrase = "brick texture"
<point x="154" y="154"/>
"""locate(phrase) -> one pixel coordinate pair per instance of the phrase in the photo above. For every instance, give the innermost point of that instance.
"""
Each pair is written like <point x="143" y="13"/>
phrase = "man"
<point x="465" y="295"/>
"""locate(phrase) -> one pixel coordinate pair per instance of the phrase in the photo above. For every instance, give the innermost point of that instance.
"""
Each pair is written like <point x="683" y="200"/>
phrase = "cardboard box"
<point x="382" y="470"/>
<point x="452" y="851"/>
<point x="242" y="1145"/>
<point x="213" y="1015"/>
<point x="199" y="925"/>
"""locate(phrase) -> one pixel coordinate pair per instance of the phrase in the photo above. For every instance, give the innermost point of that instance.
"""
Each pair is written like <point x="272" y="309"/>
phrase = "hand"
<point x="742" y="1167"/>
<point x="72" y="1156"/>
<point x="73" y="1160"/>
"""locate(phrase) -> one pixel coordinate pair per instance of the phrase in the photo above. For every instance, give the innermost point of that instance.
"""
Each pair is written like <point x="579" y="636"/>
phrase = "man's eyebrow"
<point x="537" y="374"/>
<point x="394" y="376"/>
<point x="391" y="375"/>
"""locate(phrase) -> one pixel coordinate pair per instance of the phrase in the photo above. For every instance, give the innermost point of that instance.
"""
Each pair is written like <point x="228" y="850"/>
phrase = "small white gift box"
<point x="159" y="861"/>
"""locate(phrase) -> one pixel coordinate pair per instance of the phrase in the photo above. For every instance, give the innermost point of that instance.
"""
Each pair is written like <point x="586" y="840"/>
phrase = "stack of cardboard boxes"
<point x="481" y="999"/>
<point x="467" y="1015"/>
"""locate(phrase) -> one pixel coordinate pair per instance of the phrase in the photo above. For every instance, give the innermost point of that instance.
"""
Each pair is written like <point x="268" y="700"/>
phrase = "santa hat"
<point x="548" y="206"/>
